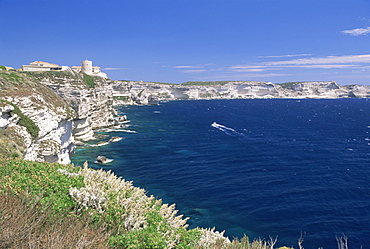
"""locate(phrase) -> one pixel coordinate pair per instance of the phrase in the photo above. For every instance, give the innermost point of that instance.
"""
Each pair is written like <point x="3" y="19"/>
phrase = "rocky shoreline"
<point x="134" y="92"/>
<point x="66" y="110"/>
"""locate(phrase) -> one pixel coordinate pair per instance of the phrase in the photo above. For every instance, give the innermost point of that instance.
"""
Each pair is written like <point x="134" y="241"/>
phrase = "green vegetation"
<point x="89" y="80"/>
<point x="49" y="74"/>
<point x="2" y="67"/>
<point x="12" y="77"/>
<point x="122" y="98"/>
<point x="61" y="206"/>
<point x="160" y="83"/>
<point x="61" y="77"/>
<point x="24" y="120"/>
<point x="18" y="85"/>
<point x="204" y="83"/>
<point x="140" y="93"/>
<point x="11" y="143"/>
<point x="291" y="84"/>
<point x="36" y="211"/>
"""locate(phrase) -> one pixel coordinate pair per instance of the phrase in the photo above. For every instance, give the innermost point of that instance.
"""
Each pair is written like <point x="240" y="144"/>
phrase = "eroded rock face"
<point x="6" y="118"/>
<point x="61" y="105"/>
<point x="56" y="146"/>
<point x="55" y="128"/>
<point x="93" y="106"/>
<point x="130" y="92"/>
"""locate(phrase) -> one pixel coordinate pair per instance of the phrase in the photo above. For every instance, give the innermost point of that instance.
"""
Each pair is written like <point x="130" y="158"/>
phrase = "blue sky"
<point x="184" y="40"/>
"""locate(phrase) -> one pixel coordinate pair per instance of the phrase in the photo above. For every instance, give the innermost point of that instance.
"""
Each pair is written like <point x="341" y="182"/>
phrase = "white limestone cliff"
<point x="66" y="109"/>
<point x="61" y="105"/>
<point x="131" y="92"/>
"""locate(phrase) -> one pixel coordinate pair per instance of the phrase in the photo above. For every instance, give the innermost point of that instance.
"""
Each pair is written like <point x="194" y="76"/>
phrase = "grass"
<point x="13" y="77"/>
<point x="122" y="98"/>
<point x="204" y="83"/>
<point x="11" y="143"/>
<point x="45" y="205"/>
<point x="27" y="223"/>
<point x="17" y="85"/>
<point x="89" y="80"/>
<point x="291" y="84"/>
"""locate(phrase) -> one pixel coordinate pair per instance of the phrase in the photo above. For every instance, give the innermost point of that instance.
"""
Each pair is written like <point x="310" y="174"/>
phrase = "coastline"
<point x="68" y="111"/>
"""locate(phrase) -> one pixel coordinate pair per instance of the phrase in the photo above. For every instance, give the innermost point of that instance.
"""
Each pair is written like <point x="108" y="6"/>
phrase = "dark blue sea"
<point x="256" y="167"/>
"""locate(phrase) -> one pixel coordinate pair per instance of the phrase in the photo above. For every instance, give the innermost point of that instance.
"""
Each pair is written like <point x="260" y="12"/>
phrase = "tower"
<point x="86" y="67"/>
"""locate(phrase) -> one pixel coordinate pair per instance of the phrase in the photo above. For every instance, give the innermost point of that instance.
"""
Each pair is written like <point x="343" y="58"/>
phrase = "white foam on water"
<point x="129" y="131"/>
<point x="119" y="130"/>
<point x="99" y="144"/>
<point x="227" y="130"/>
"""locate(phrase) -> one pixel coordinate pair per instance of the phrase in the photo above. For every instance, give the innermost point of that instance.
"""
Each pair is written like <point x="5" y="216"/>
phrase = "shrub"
<point x="123" y="98"/>
<point x="89" y="80"/>
<point x="24" y="120"/>
<point x="45" y="205"/>
<point x="25" y="223"/>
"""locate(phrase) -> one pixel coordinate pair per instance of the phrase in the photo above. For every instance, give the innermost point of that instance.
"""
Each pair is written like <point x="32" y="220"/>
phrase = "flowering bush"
<point x="124" y="215"/>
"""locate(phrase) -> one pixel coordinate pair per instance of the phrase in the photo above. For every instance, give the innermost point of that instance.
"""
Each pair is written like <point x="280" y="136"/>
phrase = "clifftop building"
<point x="86" y="67"/>
<point x="43" y="66"/>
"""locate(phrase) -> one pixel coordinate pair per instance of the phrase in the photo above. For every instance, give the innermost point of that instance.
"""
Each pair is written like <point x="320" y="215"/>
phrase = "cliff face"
<point x="44" y="114"/>
<point x="60" y="105"/>
<point x="130" y="92"/>
<point x="93" y="104"/>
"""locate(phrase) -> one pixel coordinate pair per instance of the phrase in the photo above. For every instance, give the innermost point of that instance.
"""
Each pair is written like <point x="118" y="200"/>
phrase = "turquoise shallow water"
<point x="256" y="167"/>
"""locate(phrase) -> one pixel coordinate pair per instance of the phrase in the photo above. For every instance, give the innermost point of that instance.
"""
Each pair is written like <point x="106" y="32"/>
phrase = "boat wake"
<point x="227" y="130"/>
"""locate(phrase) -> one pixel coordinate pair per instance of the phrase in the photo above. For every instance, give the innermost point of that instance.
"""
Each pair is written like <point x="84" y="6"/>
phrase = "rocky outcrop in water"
<point x="131" y="92"/>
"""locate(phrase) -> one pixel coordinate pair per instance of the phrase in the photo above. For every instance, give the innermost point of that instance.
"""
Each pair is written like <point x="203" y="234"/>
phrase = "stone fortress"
<point x="86" y="67"/>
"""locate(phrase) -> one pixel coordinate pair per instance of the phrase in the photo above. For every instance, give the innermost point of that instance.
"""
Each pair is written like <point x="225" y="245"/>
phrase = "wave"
<point x="99" y="144"/>
<point x="227" y="130"/>
<point x="119" y="130"/>
<point x="128" y="131"/>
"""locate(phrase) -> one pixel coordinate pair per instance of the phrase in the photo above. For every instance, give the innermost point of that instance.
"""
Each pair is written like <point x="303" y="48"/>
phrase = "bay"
<point x="273" y="167"/>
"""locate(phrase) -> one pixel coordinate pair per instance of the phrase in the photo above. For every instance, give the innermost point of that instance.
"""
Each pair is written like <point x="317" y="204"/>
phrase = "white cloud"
<point x="346" y="59"/>
<point x="241" y="76"/>
<point x="194" y="71"/>
<point x="112" y="68"/>
<point x="284" y="56"/>
<point x="249" y="70"/>
<point x="246" y="67"/>
<point x="327" y="66"/>
<point x="357" y="32"/>
<point x="186" y="67"/>
<point x="264" y="69"/>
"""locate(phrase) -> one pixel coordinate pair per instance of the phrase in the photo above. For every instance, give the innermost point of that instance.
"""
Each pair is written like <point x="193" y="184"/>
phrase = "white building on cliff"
<point x="87" y="68"/>
<point x="43" y="66"/>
